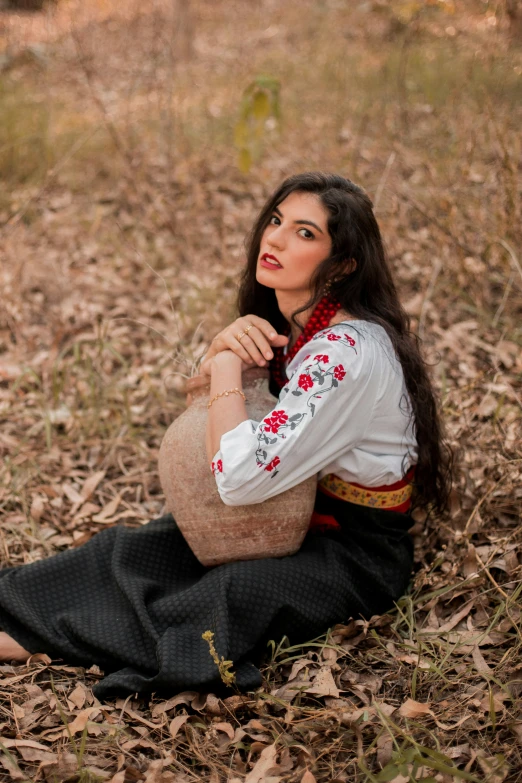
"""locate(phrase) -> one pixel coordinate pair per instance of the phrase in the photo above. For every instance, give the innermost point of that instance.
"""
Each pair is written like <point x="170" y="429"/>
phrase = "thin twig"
<point x="382" y="181"/>
<point x="512" y="254"/>
<point x="503" y="302"/>
<point x="437" y="266"/>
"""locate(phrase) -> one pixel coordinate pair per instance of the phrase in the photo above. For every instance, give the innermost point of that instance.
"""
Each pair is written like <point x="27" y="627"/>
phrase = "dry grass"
<point x="122" y="216"/>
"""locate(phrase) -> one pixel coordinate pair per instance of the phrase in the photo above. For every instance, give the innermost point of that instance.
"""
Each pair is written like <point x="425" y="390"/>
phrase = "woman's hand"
<point x="224" y="359"/>
<point x="254" y="347"/>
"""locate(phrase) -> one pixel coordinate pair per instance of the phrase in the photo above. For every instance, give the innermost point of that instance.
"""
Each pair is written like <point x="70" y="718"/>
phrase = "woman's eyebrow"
<point x="301" y="222"/>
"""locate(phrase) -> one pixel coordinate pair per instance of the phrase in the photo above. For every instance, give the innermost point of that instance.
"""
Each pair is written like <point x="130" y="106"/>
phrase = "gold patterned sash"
<point x="393" y="497"/>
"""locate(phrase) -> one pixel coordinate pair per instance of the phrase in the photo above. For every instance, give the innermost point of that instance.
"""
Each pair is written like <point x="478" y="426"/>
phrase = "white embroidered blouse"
<point x="344" y="410"/>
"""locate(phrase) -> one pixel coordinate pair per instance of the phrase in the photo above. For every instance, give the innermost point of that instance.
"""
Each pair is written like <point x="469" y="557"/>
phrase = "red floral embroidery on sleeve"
<point x="333" y="337"/>
<point x="217" y="467"/>
<point x="272" y="464"/>
<point x="276" y="420"/>
<point x="275" y="424"/>
<point x="319" y="375"/>
<point x="305" y="382"/>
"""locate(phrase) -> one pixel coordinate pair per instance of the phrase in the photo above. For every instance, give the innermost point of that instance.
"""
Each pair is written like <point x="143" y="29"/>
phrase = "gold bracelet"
<point x="225" y="394"/>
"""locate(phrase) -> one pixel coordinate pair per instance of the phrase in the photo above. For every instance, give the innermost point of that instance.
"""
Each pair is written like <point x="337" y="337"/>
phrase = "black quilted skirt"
<point x="136" y="601"/>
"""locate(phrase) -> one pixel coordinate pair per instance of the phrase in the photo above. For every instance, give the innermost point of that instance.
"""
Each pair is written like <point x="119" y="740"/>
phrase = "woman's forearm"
<point x="225" y="413"/>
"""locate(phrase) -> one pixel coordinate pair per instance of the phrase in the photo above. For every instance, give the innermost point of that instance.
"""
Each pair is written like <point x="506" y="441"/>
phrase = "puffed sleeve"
<point x="322" y="412"/>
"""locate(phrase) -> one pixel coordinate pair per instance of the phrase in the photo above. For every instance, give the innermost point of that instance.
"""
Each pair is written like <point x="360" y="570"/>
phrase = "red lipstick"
<point x="269" y="261"/>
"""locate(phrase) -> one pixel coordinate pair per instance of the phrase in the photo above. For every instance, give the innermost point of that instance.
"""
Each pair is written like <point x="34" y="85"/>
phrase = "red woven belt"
<point x="390" y="497"/>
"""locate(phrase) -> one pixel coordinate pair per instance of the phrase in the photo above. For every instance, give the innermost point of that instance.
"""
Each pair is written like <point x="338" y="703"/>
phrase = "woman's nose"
<point x="276" y="238"/>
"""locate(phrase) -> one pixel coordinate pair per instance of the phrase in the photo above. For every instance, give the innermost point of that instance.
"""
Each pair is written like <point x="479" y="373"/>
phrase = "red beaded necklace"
<point x="320" y="319"/>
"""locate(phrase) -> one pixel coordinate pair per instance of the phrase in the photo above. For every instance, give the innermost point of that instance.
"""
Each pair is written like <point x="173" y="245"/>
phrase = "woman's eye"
<point x="307" y="235"/>
<point x="274" y="217"/>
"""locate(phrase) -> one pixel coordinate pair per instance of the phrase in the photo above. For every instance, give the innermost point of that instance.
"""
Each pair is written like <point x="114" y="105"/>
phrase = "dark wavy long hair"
<point x="367" y="293"/>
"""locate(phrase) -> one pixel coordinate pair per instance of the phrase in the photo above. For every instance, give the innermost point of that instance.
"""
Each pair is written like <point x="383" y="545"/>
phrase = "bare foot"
<point x="11" y="650"/>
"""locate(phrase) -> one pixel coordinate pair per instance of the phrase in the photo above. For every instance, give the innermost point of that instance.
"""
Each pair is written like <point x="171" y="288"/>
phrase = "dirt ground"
<point x="125" y="197"/>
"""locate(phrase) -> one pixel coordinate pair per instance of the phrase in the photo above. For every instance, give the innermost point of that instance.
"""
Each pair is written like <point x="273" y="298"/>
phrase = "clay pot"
<point x="217" y="533"/>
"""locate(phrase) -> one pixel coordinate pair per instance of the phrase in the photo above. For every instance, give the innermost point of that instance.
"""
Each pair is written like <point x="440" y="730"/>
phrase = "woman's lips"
<point x="269" y="262"/>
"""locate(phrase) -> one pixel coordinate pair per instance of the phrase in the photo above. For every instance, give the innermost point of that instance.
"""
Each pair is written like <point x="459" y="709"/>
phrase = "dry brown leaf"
<point x="480" y="662"/>
<point x="234" y="703"/>
<point x="352" y="716"/>
<point x="263" y="765"/>
<point x="516" y="728"/>
<point x="79" y="723"/>
<point x="176" y="724"/>
<point x="290" y="690"/>
<point x="37" y="507"/>
<point x="495" y="768"/>
<point x="329" y="654"/>
<point x="39" y="658"/>
<point x="256" y="747"/>
<point x="511" y="562"/>
<point x="141" y="742"/>
<point x="77" y="696"/>
<point x="187" y="697"/>
<point x="255" y="724"/>
<point x="32" y="754"/>
<point x="308" y="777"/>
<point x="18" y="711"/>
<point x="213" y="705"/>
<point x="227" y="728"/>
<point x="496" y="700"/>
<point x="324" y="684"/>
<point x="371" y="682"/>
<point x="86" y="510"/>
<point x="135" y="716"/>
<point x="297" y="666"/>
<point x="108" y="511"/>
<point x="453" y="726"/>
<point x="10" y="764"/>
<point x="470" y="563"/>
<point x="74" y="496"/>
<point x="157" y="774"/>
<point x="416" y="660"/>
<point x="385" y="708"/>
<point x="91" y="483"/>
<point x="200" y="702"/>
<point x="60" y="770"/>
<point x="413" y="709"/>
<point x="458" y="751"/>
<point x="384" y="748"/>
<point x="22" y="743"/>
<point x="457" y="617"/>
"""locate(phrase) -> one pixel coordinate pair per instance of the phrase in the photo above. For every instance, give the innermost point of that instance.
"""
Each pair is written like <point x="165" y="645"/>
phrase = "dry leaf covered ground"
<point x="122" y="215"/>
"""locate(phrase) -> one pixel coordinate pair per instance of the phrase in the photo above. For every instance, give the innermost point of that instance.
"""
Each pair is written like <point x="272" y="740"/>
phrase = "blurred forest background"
<point x="137" y="142"/>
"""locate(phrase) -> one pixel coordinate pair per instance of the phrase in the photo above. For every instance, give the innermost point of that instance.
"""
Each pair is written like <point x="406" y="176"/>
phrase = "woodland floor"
<point x="122" y="219"/>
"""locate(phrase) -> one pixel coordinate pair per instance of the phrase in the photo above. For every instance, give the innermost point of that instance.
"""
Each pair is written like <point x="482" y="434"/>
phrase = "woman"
<point x="318" y="305"/>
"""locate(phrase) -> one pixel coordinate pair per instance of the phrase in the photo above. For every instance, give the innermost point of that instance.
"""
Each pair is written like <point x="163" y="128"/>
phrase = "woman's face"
<point x="293" y="244"/>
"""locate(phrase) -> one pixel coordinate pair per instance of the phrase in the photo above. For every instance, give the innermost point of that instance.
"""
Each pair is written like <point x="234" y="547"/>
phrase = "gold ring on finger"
<point x="249" y="327"/>
<point x="240" y="336"/>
